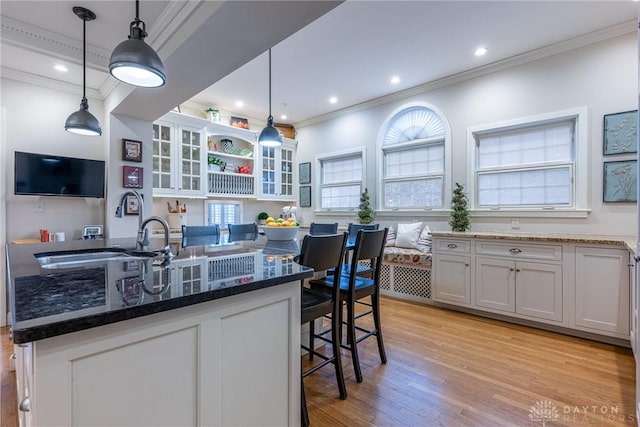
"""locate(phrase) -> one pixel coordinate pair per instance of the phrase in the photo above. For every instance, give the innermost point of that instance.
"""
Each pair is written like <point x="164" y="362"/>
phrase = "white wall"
<point x="602" y="77"/>
<point x="35" y="118"/>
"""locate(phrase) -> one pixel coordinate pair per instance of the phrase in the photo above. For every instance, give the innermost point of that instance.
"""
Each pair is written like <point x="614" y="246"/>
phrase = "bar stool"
<point x="197" y="235"/>
<point x="317" y="228"/>
<point x="243" y="231"/>
<point x="322" y="253"/>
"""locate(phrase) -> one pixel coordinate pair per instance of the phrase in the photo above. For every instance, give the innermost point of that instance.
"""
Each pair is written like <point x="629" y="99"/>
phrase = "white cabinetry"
<point x="277" y="171"/>
<point x="602" y="290"/>
<point x="452" y="271"/>
<point x="178" y="157"/>
<point x="194" y="365"/>
<point x="234" y="147"/>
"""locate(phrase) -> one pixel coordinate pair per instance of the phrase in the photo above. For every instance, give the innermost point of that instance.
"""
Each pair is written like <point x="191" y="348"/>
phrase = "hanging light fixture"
<point x="135" y="62"/>
<point x="82" y="121"/>
<point x="270" y="136"/>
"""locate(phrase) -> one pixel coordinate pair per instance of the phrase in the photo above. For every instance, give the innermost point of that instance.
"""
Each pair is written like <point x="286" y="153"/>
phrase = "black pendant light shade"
<point x="270" y="136"/>
<point x="135" y="62"/>
<point x="82" y="121"/>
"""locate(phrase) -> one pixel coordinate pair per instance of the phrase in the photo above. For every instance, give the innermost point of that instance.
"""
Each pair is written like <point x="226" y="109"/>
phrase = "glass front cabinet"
<point x="277" y="171"/>
<point x="178" y="160"/>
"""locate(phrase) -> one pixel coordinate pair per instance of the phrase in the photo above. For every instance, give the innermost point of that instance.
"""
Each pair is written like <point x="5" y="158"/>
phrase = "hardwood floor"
<point x="452" y="369"/>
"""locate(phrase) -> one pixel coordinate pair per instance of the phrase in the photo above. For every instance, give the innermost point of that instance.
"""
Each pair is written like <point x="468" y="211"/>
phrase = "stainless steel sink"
<point x="69" y="259"/>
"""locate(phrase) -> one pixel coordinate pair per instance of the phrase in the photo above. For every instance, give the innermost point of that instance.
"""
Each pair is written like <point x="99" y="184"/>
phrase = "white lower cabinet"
<point x="234" y="361"/>
<point x="452" y="278"/>
<point x="525" y="288"/>
<point x="602" y="290"/>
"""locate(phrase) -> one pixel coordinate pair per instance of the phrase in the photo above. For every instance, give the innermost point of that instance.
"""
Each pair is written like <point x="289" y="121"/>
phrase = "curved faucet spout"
<point x="121" y="208"/>
<point x="144" y="241"/>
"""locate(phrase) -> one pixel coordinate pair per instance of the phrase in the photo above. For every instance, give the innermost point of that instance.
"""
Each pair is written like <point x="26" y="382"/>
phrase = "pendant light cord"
<point x="137" y="10"/>
<point x="270" y="82"/>
<point x="84" y="58"/>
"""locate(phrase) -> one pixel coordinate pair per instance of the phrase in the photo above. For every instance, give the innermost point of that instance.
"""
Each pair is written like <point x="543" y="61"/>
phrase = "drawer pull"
<point x="25" y="404"/>
<point x="452" y="245"/>
<point x="511" y="269"/>
<point x="515" y="251"/>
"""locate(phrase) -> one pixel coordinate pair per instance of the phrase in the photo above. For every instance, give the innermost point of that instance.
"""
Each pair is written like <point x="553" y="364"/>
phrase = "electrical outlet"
<point x="515" y="223"/>
<point x="38" y="206"/>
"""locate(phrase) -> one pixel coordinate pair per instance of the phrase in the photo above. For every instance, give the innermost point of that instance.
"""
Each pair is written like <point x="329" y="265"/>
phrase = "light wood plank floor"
<point x="452" y="369"/>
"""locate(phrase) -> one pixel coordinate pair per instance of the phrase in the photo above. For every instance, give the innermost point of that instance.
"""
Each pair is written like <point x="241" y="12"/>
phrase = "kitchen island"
<point x="210" y="338"/>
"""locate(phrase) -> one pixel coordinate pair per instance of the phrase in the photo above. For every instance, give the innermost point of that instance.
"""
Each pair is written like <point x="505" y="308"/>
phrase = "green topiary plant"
<point x="459" y="210"/>
<point x="365" y="214"/>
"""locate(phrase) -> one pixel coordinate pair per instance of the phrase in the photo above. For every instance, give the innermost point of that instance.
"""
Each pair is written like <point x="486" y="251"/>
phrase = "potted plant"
<point x="365" y="213"/>
<point x="262" y="218"/>
<point x="213" y="114"/>
<point x="459" y="220"/>
<point x="213" y="160"/>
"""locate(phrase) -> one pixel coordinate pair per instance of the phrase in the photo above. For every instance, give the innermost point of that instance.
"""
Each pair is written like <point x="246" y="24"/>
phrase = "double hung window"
<point x="341" y="178"/>
<point x="531" y="165"/>
<point x="223" y="213"/>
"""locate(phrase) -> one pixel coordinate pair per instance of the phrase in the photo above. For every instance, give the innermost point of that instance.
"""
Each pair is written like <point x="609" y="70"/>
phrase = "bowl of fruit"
<point x="281" y="229"/>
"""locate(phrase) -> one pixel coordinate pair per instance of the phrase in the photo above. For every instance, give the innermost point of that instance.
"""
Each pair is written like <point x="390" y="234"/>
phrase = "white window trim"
<point x="315" y="196"/>
<point x="223" y="201"/>
<point x="581" y="187"/>
<point x="448" y="162"/>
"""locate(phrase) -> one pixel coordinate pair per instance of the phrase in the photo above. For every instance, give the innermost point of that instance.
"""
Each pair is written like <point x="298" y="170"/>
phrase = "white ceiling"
<point x="351" y="52"/>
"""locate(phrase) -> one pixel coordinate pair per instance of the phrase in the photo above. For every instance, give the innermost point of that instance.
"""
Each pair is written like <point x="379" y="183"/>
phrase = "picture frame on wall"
<point x="620" y="179"/>
<point x="305" y="196"/>
<point x="304" y="173"/>
<point x="620" y="132"/>
<point x="131" y="150"/>
<point x="132" y="177"/>
<point x="132" y="207"/>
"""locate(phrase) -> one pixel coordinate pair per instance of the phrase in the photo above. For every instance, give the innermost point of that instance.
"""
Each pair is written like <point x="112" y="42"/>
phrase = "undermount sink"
<point x="67" y="259"/>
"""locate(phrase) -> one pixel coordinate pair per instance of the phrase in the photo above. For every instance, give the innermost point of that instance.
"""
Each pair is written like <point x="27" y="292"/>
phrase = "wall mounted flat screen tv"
<point x="45" y="175"/>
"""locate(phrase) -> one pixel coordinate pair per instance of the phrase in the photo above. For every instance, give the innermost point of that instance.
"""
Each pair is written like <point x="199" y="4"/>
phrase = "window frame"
<point x="207" y="202"/>
<point x="447" y="163"/>
<point x="579" y="167"/>
<point x="337" y="155"/>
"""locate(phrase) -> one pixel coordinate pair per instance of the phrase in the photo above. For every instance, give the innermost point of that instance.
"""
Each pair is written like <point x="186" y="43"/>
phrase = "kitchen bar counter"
<point x="49" y="302"/>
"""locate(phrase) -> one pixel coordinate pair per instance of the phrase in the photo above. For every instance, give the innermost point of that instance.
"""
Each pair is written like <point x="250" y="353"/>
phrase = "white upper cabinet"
<point x="277" y="171"/>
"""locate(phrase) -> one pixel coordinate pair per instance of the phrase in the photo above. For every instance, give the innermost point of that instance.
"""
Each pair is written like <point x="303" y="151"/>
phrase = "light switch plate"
<point x="515" y="223"/>
<point x="38" y="206"/>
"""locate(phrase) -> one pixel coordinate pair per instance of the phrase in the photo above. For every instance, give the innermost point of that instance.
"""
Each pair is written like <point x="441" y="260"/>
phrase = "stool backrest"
<point x="354" y="228"/>
<point x="243" y="231"/>
<point x="200" y="235"/>
<point x="323" y="252"/>
<point x="317" y="228"/>
<point x="369" y="246"/>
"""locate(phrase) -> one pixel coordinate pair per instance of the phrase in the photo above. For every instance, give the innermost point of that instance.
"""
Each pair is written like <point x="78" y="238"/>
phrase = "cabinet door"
<point x="191" y="162"/>
<point x="452" y="277"/>
<point x="539" y="290"/>
<point x="633" y="318"/>
<point x="269" y="174"/>
<point x="602" y="290"/>
<point x="495" y="284"/>
<point x="286" y="172"/>
<point x="163" y="141"/>
<point x="277" y="166"/>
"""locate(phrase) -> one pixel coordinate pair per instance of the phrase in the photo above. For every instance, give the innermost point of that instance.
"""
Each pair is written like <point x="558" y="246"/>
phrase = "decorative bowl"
<point x="280" y="233"/>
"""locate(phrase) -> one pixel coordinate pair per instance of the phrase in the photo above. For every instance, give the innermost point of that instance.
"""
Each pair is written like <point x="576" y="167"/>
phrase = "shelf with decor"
<point x="231" y="164"/>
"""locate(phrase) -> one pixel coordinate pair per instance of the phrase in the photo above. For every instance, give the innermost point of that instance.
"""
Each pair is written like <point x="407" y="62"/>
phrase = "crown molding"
<point x="514" y="61"/>
<point x="49" y="83"/>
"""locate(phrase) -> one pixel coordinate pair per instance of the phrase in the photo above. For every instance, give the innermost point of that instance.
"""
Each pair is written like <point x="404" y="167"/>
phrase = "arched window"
<point x="413" y="159"/>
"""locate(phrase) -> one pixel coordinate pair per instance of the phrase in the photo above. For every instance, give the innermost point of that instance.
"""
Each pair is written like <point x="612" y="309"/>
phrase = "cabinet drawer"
<point x="519" y="250"/>
<point x="453" y="245"/>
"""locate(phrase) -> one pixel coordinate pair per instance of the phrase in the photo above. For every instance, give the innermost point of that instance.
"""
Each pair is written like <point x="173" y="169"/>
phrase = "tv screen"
<point x="41" y="174"/>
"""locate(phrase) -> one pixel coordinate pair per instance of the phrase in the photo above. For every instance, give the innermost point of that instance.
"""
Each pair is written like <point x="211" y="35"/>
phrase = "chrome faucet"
<point x="142" y="239"/>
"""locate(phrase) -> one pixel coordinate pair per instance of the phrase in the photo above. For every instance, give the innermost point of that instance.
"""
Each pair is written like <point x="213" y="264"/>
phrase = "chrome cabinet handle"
<point x="25" y="404"/>
<point x="515" y="251"/>
<point x="452" y="245"/>
<point x="511" y="269"/>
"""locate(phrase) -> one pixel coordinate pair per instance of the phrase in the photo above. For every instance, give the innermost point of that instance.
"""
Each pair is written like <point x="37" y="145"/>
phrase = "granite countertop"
<point x="628" y="242"/>
<point x="50" y="302"/>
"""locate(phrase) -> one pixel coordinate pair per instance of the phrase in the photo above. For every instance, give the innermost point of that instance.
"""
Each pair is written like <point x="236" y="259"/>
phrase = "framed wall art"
<point x="132" y="207"/>
<point x="620" y="180"/>
<point x="131" y="150"/>
<point x="620" y="132"/>
<point x="132" y="177"/>
<point x="305" y="196"/>
<point x="304" y="173"/>
<point x="239" y="122"/>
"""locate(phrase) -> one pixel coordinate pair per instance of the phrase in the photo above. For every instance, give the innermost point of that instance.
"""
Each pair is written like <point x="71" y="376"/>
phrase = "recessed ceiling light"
<point x="480" y="51"/>
<point x="239" y="104"/>
<point x="333" y="100"/>
<point x="395" y="80"/>
<point x="61" y="68"/>
<point x="283" y="117"/>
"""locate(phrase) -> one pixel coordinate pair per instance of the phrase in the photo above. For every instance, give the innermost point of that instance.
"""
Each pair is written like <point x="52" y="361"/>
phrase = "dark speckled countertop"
<point x="50" y="302"/>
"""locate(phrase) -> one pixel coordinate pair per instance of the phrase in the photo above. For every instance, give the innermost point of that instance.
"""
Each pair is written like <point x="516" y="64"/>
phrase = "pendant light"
<point x="135" y="62"/>
<point x="82" y="121"/>
<point x="270" y="136"/>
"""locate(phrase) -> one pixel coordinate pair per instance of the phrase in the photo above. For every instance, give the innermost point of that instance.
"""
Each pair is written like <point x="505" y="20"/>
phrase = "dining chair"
<point x="198" y="235"/>
<point x="353" y="229"/>
<point x="322" y="253"/>
<point x="354" y="287"/>
<point x="317" y="228"/>
<point x="243" y="231"/>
